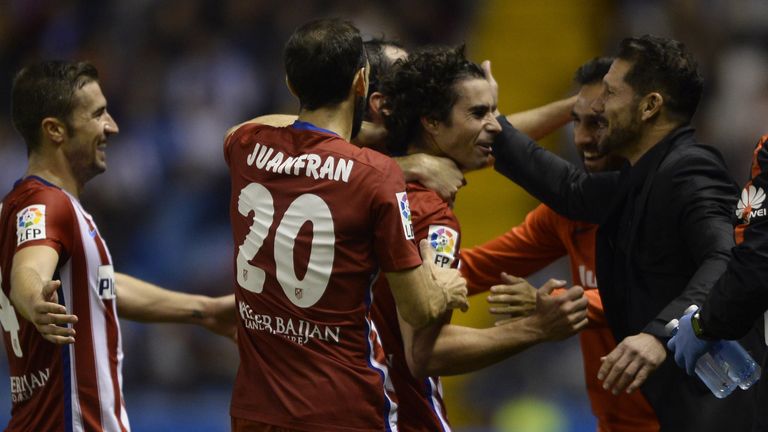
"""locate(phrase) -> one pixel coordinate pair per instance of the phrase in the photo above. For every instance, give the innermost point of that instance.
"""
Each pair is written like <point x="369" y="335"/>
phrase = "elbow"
<point x="418" y="361"/>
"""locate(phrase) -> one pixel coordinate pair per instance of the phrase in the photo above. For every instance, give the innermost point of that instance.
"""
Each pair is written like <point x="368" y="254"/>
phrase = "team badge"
<point x="30" y="224"/>
<point x="444" y="242"/>
<point x="405" y="214"/>
<point x="751" y="203"/>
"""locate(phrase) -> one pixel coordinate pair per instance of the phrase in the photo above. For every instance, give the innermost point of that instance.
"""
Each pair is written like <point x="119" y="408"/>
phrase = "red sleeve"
<point x="393" y="235"/>
<point x="523" y="250"/>
<point x="46" y="219"/>
<point x="434" y="221"/>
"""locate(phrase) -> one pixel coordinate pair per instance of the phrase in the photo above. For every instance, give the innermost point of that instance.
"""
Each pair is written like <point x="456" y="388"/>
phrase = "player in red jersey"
<point x="58" y="303"/>
<point x="546" y="236"/>
<point x="315" y="221"/>
<point x="440" y="104"/>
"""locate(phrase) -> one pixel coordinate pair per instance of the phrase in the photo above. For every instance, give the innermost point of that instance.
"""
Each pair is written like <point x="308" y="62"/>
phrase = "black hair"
<point x="666" y="66"/>
<point x="43" y="90"/>
<point x="321" y="59"/>
<point x="380" y="63"/>
<point x="423" y="86"/>
<point x="593" y="71"/>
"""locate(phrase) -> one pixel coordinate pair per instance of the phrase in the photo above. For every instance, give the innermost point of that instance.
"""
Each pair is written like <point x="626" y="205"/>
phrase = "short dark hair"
<point x="593" y="71"/>
<point x="380" y="63"/>
<point x="46" y="90"/>
<point x="665" y="66"/>
<point x="423" y="86"/>
<point x="321" y="59"/>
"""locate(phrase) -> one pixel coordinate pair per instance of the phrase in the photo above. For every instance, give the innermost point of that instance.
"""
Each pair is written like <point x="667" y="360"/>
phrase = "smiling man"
<point x="58" y="283"/>
<point x="545" y="236"/>
<point x="665" y="223"/>
<point x="439" y="103"/>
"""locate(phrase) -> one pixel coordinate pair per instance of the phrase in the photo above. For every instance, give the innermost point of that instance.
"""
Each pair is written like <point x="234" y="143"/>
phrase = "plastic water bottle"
<point x="725" y="366"/>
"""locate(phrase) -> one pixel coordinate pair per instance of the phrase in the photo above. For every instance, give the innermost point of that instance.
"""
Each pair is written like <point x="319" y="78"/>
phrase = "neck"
<point x="649" y="137"/>
<point x="337" y="118"/>
<point x="54" y="169"/>
<point x="424" y="144"/>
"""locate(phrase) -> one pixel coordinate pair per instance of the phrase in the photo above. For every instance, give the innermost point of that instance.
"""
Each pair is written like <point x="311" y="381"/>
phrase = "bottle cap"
<point x="671" y="326"/>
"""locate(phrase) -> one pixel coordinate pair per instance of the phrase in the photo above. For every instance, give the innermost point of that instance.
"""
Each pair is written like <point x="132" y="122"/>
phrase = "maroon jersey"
<point x="315" y="219"/>
<point x="71" y="387"/>
<point x="421" y="401"/>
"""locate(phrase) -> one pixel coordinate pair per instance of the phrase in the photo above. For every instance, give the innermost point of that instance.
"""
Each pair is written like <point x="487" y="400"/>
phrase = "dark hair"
<point x="380" y="63"/>
<point x="423" y="86"/>
<point x="593" y="71"/>
<point x="46" y="90"/>
<point x="321" y="59"/>
<point x="665" y="66"/>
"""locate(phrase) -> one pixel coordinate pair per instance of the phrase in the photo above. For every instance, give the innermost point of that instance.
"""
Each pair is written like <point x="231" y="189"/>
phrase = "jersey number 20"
<point x="304" y="293"/>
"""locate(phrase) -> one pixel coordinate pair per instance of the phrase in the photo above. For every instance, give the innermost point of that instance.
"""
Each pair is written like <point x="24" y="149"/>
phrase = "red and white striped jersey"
<point x="314" y="219"/>
<point x="74" y="387"/>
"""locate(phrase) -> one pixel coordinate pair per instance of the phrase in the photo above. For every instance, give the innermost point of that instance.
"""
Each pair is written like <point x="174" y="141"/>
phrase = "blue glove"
<point x="686" y="346"/>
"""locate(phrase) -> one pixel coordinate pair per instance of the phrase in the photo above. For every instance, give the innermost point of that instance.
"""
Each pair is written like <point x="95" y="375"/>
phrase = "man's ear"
<point x="54" y="130"/>
<point x="651" y="105"/>
<point x="429" y="125"/>
<point x="375" y="106"/>
<point x="360" y="83"/>
<point x="290" y="87"/>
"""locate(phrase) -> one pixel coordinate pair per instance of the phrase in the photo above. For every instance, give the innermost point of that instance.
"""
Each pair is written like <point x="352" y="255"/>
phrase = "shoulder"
<point x="688" y="151"/>
<point x="428" y="208"/>
<point x="33" y="191"/>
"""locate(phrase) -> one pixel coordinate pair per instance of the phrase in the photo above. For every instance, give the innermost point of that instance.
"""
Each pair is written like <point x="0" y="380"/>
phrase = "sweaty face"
<point x="467" y="136"/>
<point x="587" y="132"/>
<point x="618" y="111"/>
<point x="89" y="127"/>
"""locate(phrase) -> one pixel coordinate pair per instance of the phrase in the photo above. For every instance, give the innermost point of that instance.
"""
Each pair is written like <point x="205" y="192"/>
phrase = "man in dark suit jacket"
<point x="665" y="223"/>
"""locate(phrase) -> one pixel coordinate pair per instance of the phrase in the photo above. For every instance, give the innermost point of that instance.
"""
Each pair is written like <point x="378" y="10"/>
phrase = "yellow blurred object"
<point x="529" y="415"/>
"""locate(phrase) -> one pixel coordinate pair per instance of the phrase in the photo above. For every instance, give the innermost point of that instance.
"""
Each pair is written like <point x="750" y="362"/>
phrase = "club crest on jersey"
<point x="405" y="214"/>
<point x="30" y="224"/>
<point x="106" y="282"/>
<point x="751" y="203"/>
<point x="444" y="241"/>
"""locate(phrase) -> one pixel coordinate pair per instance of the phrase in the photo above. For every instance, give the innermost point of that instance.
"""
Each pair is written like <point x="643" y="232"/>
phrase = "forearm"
<point x="145" y="302"/>
<point x="740" y="296"/>
<point x="32" y="268"/>
<point x="557" y="183"/>
<point x="419" y="299"/>
<point x="26" y="286"/>
<point x="459" y="350"/>
<point x="540" y="122"/>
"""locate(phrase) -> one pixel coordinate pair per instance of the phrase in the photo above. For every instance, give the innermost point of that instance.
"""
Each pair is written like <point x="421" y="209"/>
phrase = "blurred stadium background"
<point x="178" y="73"/>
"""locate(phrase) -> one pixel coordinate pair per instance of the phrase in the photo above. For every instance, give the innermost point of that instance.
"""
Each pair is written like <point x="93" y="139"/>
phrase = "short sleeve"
<point x="45" y="218"/>
<point x="393" y="228"/>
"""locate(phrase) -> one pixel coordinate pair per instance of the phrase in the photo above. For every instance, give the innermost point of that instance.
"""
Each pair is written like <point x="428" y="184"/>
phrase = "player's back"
<point x="314" y="219"/>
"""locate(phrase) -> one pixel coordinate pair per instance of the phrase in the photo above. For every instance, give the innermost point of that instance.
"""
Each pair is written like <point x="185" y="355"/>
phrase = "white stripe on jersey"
<point x="99" y="330"/>
<point x="389" y="388"/>
<point x="66" y="286"/>
<point x="436" y="396"/>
